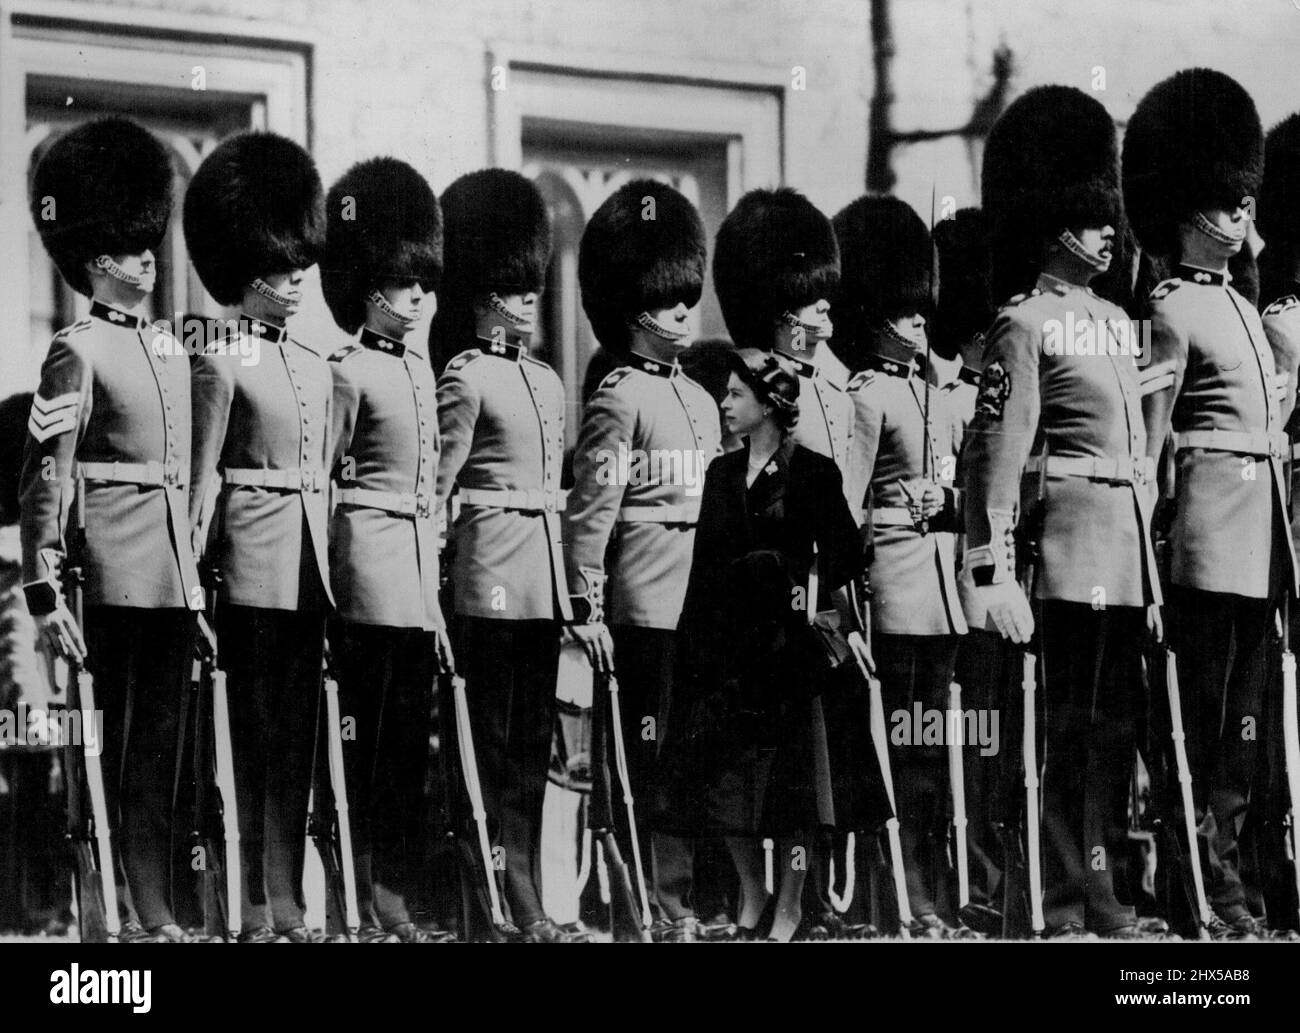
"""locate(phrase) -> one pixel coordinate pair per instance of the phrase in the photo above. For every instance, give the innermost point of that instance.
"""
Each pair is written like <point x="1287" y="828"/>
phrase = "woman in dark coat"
<point x="746" y="754"/>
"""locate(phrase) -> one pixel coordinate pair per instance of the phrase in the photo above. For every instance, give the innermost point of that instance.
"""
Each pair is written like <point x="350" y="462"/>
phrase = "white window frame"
<point x="268" y="64"/>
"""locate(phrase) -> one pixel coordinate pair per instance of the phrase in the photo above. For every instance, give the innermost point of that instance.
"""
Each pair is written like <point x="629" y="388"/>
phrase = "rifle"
<point x="860" y="647"/>
<point x="97" y="916"/>
<point x="461" y="732"/>
<point x="600" y="815"/>
<point x="214" y="768"/>
<point x="329" y="824"/>
<point x="1185" y="784"/>
<point x="1029" y="686"/>
<point x="957" y="779"/>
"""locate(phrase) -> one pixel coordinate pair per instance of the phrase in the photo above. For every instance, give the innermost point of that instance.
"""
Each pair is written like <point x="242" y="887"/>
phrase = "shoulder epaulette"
<point x="1282" y="305"/>
<point x="347" y="351"/>
<point x="1165" y="287"/>
<point x="616" y="377"/>
<point x="861" y="380"/>
<point x="1018" y="299"/>
<point x="969" y="375"/>
<point x="463" y="359"/>
<point x="80" y="326"/>
<point x="305" y="347"/>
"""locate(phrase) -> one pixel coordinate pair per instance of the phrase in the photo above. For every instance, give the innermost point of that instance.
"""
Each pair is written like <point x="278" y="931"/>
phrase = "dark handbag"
<point x="834" y="644"/>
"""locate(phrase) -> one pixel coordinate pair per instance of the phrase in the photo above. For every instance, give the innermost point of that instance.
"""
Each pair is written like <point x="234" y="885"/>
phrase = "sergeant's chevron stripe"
<point x="53" y="415"/>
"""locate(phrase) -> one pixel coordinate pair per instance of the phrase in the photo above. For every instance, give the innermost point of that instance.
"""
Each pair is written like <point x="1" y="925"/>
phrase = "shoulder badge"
<point x="1165" y="287"/>
<point x="616" y="377"/>
<point x="861" y="380"/>
<point x="1282" y="305"/>
<point x="1017" y="299"/>
<point x="995" y="389"/>
<point x="347" y="351"/>
<point x="463" y="359"/>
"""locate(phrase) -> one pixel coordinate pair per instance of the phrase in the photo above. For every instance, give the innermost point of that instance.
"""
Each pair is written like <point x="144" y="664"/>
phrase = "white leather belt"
<point x="1295" y="450"/>
<point x="296" y="479"/>
<point x="682" y="514"/>
<point x="399" y="503"/>
<point x="891" y="516"/>
<point x="152" y="473"/>
<point x="1120" y="470"/>
<point x="1239" y="442"/>
<point x="528" y="500"/>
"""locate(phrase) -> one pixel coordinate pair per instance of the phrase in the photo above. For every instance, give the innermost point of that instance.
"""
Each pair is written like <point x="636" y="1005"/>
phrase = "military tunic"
<point x="1059" y="400"/>
<point x="383" y="534"/>
<point x="113" y="409"/>
<point x="262" y="404"/>
<point x="384" y="562"/>
<point x="501" y="420"/>
<point x="825" y="419"/>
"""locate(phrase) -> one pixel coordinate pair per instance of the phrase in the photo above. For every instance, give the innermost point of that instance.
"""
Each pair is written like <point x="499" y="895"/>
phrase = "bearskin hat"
<point x="1279" y="196"/>
<point x="496" y="237"/>
<point x="774" y="253"/>
<point x="254" y="208"/>
<point x="1050" y="163"/>
<point x="965" y="304"/>
<point x="1194" y="142"/>
<point x="885" y="268"/>
<point x="104" y="188"/>
<point x="643" y="249"/>
<point x="394" y="232"/>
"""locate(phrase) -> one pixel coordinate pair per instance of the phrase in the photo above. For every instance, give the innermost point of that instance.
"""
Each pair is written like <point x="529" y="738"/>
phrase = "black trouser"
<point x="141" y="660"/>
<point x="645" y="659"/>
<point x="386" y="677"/>
<point x="510" y="669"/>
<point x="982" y="671"/>
<point x="1091" y="688"/>
<point x="272" y="660"/>
<point x="1222" y="643"/>
<point x="918" y="669"/>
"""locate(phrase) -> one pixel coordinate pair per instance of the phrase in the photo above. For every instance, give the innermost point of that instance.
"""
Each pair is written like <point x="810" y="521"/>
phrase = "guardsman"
<point x="254" y="223"/>
<point x="648" y="434"/>
<point x="501" y="420"/>
<point x="113" y="412"/>
<point x="1192" y="177"/>
<point x="1193" y="159"/>
<point x="1059" y="406"/>
<point x="963" y="313"/>
<point x="775" y="267"/>
<point x="381" y="266"/>
<point x="1279" y="224"/>
<point x="902" y="455"/>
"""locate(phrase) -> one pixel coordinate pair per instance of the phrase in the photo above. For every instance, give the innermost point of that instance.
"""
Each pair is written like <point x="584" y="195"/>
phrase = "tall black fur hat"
<point x="644" y="248"/>
<point x="254" y="208"/>
<point x="1279" y="196"/>
<point x="1194" y="142"/>
<point x="497" y="234"/>
<point x="965" y="305"/>
<point x="885" y="265"/>
<point x="1050" y="164"/>
<point x="774" y="253"/>
<point x="104" y="188"/>
<point x="395" y="233"/>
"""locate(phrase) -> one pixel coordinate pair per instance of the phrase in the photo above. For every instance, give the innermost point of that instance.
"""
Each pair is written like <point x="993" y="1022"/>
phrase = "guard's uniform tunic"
<point x="1080" y="415"/>
<point x="917" y="615"/>
<point x="113" y="409"/>
<point x="501" y="420"/>
<point x="262" y="426"/>
<point x="630" y="529"/>
<point x="1231" y="555"/>
<point x="384" y="566"/>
